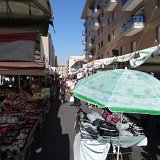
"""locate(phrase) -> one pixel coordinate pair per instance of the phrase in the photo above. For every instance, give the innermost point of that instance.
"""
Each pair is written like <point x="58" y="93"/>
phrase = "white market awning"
<point x="144" y="55"/>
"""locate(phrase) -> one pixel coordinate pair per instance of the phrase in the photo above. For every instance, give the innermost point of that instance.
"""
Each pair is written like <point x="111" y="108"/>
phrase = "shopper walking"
<point x="62" y="93"/>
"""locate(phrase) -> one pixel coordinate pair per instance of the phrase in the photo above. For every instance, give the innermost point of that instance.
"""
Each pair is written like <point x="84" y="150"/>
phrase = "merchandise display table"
<point x="19" y="119"/>
<point x="89" y="149"/>
<point x="92" y="149"/>
<point x="95" y="136"/>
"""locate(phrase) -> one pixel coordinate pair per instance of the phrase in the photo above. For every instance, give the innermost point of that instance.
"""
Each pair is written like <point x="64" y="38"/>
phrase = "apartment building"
<point x="62" y="70"/>
<point x="71" y="61"/>
<point x="117" y="27"/>
<point x="47" y="49"/>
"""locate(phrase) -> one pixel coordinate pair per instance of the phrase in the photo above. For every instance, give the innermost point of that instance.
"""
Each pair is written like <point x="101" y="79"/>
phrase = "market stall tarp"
<point x="136" y="58"/>
<point x="21" y="68"/>
<point x="25" y="15"/>
<point x="121" y="90"/>
<point x="144" y="55"/>
<point x="17" y="47"/>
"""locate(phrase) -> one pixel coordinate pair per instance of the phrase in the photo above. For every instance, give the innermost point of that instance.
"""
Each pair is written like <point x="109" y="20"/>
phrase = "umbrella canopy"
<point x="121" y="90"/>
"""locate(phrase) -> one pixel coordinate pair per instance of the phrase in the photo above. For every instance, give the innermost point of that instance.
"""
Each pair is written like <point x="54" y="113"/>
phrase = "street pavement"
<point x="55" y="140"/>
<point x="57" y="134"/>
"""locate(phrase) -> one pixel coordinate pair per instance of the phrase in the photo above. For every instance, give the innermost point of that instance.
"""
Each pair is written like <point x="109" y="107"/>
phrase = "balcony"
<point x="90" y="54"/>
<point x="96" y="25"/>
<point x="133" y="26"/>
<point x="85" y="24"/>
<point x="110" y="5"/>
<point x="84" y="33"/>
<point x="129" y="5"/>
<point x="89" y="12"/>
<point x="96" y="11"/>
<point x="90" y="45"/>
<point x="84" y="42"/>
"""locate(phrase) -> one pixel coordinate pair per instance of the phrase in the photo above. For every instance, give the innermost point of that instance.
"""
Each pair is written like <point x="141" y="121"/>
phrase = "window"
<point x="122" y="50"/>
<point x="102" y="56"/>
<point x="158" y="34"/>
<point x="101" y="29"/>
<point x="108" y="54"/>
<point x="109" y="38"/>
<point x="108" y="21"/>
<point x="98" y="32"/>
<point x="102" y="13"/>
<point x="115" y="52"/>
<point x="113" y="16"/>
<point x="157" y="3"/>
<point x="134" y="46"/>
<point x="113" y="34"/>
<point x="101" y="44"/>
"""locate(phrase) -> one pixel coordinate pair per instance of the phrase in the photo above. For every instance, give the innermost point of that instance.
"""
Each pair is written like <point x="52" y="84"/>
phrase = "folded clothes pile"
<point x="107" y="126"/>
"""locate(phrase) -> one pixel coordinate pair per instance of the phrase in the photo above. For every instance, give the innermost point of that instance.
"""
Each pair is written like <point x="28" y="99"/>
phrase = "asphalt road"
<point x="57" y="134"/>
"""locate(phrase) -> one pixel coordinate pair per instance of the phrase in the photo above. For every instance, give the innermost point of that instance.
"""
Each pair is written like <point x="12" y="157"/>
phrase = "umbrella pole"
<point x="30" y="80"/>
<point x="118" y="152"/>
<point x="119" y="142"/>
<point x="19" y="83"/>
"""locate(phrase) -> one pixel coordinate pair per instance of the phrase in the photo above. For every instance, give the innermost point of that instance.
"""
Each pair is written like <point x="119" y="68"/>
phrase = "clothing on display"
<point x="95" y="131"/>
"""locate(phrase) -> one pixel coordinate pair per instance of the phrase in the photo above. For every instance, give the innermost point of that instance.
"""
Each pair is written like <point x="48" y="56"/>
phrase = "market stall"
<point x="119" y="92"/>
<point x="20" y="116"/>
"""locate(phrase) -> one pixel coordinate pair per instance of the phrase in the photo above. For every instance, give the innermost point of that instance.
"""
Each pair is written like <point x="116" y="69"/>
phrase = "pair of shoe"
<point x="103" y="125"/>
<point x="107" y="130"/>
<point x="87" y="124"/>
<point x="88" y="132"/>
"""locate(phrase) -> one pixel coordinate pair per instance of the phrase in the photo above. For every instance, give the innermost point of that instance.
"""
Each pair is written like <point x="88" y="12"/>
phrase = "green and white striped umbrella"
<point x="121" y="90"/>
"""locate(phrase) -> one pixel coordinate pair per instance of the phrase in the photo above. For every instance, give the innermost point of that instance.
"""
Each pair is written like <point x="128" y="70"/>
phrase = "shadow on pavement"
<point x="54" y="144"/>
<point x="152" y="150"/>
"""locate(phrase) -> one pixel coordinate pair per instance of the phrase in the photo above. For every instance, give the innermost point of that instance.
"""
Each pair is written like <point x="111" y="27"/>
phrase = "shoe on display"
<point x="86" y="124"/>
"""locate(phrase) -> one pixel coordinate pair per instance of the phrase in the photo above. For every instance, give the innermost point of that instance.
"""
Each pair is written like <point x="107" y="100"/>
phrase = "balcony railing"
<point x="90" y="45"/>
<point x="89" y="12"/>
<point x="96" y="11"/>
<point x="90" y="54"/>
<point x="129" y="5"/>
<point x="133" y="26"/>
<point x="84" y="33"/>
<point x="110" y="5"/>
<point x="85" y="24"/>
<point x="96" y="24"/>
<point x="84" y="42"/>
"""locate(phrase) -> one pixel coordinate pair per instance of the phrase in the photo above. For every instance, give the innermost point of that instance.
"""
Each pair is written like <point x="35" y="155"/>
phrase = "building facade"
<point x="71" y="61"/>
<point x="62" y="70"/>
<point x="118" y="27"/>
<point x="47" y="48"/>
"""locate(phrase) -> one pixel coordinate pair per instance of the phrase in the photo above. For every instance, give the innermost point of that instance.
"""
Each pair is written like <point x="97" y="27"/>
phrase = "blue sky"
<point x="68" y="37"/>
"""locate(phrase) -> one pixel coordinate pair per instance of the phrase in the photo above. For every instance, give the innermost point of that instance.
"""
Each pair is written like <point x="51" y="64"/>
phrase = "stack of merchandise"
<point x="108" y="126"/>
<point x="19" y="116"/>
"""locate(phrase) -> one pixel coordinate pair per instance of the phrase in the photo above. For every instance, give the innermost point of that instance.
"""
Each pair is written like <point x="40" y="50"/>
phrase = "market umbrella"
<point x="121" y="90"/>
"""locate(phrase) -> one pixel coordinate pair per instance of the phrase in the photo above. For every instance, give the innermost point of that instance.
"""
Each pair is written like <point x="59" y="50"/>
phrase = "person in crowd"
<point x="77" y="102"/>
<point x="53" y="91"/>
<point x="62" y="93"/>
